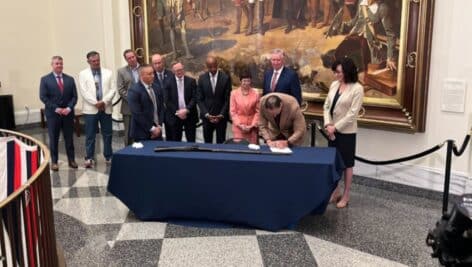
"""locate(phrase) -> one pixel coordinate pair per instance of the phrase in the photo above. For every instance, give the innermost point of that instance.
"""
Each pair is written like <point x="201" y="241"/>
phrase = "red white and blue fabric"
<point x="19" y="162"/>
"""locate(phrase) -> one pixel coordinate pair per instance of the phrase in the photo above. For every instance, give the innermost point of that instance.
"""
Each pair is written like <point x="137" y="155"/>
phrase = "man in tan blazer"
<point x="281" y="121"/>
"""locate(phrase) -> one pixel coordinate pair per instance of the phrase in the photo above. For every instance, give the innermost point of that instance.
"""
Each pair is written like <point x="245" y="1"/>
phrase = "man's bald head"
<point x="158" y="62"/>
<point x="212" y="64"/>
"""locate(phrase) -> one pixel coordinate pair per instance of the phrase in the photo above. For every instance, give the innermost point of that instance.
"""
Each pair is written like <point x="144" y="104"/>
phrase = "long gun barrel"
<point x="215" y="150"/>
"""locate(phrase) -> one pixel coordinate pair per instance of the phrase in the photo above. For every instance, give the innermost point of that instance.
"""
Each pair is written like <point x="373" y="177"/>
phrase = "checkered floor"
<point x="96" y="228"/>
<point x="384" y="225"/>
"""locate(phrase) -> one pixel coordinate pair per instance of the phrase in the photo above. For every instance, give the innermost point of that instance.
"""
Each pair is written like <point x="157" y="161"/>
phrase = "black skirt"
<point x="346" y="146"/>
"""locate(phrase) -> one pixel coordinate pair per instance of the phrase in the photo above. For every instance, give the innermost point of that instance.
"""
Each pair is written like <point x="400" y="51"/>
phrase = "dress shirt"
<point x="213" y="80"/>
<point x="180" y="91"/>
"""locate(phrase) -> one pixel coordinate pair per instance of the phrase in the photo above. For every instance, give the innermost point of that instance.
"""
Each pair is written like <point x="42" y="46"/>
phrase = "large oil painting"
<point x="388" y="39"/>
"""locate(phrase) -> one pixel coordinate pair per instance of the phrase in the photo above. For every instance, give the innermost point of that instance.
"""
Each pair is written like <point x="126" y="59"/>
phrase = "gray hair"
<point x="278" y="51"/>
<point x="56" y="57"/>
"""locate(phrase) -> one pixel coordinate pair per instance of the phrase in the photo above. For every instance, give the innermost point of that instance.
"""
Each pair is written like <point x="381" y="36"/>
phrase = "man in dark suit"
<point x="145" y="104"/>
<point x="59" y="95"/>
<point x="281" y="79"/>
<point x="214" y="87"/>
<point x="180" y="100"/>
<point x="126" y="77"/>
<point x="162" y="76"/>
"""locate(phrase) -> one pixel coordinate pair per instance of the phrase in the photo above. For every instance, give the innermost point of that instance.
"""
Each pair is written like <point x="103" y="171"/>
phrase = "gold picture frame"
<point x="394" y="99"/>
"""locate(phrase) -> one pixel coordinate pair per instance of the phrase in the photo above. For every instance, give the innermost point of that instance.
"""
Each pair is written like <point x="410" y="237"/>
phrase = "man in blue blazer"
<point x="58" y="92"/>
<point x="145" y="104"/>
<point x="281" y="79"/>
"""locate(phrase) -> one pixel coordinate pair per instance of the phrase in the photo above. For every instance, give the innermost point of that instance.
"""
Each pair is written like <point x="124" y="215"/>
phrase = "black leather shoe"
<point x="54" y="167"/>
<point x="73" y="164"/>
<point x="288" y="29"/>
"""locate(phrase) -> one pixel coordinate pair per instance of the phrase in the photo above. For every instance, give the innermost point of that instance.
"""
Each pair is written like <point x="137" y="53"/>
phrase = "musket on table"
<point x="196" y="148"/>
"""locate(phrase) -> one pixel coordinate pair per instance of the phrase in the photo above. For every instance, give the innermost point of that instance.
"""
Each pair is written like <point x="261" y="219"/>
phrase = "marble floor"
<point x="384" y="225"/>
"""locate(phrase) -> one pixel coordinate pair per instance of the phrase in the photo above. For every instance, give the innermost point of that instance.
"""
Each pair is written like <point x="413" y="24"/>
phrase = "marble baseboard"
<point x="426" y="178"/>
<point x="22" y="116"/>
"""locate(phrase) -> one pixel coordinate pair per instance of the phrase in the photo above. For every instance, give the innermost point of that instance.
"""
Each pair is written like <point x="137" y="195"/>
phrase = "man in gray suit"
<point x="127" y="76"/>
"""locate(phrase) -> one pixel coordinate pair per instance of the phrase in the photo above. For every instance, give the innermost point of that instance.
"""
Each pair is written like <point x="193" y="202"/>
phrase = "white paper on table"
<point x="286" y="150"/>
<point x="137" y="145"/>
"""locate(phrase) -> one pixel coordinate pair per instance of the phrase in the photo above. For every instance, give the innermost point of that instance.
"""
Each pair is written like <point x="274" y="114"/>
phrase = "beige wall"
<point x="451" y="58"/>
<point x="39" y="29"/>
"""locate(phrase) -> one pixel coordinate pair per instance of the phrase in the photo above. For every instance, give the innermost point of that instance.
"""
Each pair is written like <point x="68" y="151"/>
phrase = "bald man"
<point x="214" y="87"/>
<point x="180" y="101"/>
<point x="162" y="76"/>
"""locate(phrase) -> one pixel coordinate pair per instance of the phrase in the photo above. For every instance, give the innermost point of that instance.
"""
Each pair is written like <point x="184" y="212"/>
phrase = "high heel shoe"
<point x="342" y="204"/>
<point x="335" y="198"/>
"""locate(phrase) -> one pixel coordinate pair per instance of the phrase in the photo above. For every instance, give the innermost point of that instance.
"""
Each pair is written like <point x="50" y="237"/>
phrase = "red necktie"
<point x="60" y="84"/>
<point x="274" y="81"/>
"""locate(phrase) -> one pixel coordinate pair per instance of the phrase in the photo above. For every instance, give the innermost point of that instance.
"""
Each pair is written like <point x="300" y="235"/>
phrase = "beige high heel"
<point x="335" y="198"/>
<point x="342" y="204"/>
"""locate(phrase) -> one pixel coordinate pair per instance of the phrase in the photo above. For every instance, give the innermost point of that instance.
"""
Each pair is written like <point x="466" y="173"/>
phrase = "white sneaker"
<point x="88" y="163"/>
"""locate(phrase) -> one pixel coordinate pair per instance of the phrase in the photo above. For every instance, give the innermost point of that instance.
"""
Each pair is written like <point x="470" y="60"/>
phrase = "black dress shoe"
<point x="288" y="29"/>
<point x="73" y="164"/>
<point x="54" y="167"/>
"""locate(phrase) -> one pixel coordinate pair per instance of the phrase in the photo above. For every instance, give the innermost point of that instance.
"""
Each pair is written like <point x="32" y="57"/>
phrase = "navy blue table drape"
<point x="264" y="191"/>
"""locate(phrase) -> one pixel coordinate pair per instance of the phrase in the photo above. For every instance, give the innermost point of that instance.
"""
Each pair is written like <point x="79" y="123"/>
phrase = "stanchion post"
<point x="447" y="176"/>
<point x="313" y="133"/>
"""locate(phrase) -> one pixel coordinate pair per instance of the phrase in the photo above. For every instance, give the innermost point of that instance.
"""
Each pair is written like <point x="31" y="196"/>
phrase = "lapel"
<point x="174" y="90"/>
<point x="148" y="97"/>
<point x="186" y="88"/>
<point x="208" y="83"/>
<point x="341" y="96"/>
<point x="218" y="81"/>
<point x="283" y="117"/>
<point x="130" y="72"/>
<point x="279" y="80"/>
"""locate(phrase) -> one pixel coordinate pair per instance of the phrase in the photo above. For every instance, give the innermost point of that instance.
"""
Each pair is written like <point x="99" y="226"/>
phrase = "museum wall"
<point x="33" y="31"/>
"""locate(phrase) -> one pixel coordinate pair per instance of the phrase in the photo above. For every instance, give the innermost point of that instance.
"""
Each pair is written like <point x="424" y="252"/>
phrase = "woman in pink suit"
<point x="244" y="110"/>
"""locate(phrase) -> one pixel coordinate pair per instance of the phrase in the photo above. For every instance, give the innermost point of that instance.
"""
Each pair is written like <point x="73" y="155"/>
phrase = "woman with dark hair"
<point x="340" y="111"/>
<point x="244" y="110"/>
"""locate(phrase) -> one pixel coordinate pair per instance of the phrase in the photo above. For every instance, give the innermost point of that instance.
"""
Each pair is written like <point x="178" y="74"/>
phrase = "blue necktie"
<point x="98" y="84"/>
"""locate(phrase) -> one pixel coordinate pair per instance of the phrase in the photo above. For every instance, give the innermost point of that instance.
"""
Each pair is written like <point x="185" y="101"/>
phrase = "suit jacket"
<point x="89" y="92"/>
<point x="287" y="83"/>
<point x="168" y="76"/>
<point x="347" y="107"/>
<point x="214" y="103"/>
<point x="292" y="122"/>
<point x="171" y="100"/>
<point x="51" y="95"/>
<point x="142" y="111"/>
<point x="124" y="81"/>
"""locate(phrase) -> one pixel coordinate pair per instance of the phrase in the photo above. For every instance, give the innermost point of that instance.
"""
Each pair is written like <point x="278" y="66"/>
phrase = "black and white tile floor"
<point x="384" y="225"/>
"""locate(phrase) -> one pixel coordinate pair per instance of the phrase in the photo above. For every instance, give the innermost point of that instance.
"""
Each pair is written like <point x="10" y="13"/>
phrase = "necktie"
<point x="273" y="83"/>
<point x="154" y="104"/>
<point x="59" y="83"/>
<point x="98" y="84"/>
<point x="213" y="82"/>
<point x="159" y="76"/>
<point x="181" y="92"/>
